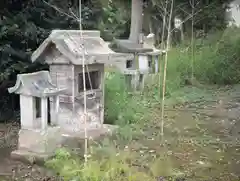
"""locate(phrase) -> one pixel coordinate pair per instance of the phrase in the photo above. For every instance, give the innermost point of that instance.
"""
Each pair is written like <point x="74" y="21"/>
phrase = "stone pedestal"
<point x="76" y="139"/>
<point x="37" y="145"/>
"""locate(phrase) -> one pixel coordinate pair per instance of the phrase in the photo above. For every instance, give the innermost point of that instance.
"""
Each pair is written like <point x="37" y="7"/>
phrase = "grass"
<point x="193" y="147"/>
<point x="122" y="107"/>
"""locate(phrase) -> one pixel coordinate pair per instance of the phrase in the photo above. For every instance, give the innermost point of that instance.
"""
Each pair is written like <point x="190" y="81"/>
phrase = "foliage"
<point x="120" y="106"/>
<point x="216" y="59"/>
<point x="111" y="166"/>
<point x="114" y="21"/>
<point x="109" y="162"/>
<point x="208" y="15"/>
<point x="24" y="25"/>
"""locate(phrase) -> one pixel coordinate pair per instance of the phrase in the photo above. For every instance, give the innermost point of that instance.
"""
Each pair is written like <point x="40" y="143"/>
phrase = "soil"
<point x="11" y="170"/>
<point x="211" y="128"/>
<point x="201" y="136"/>
<point x="201" y="140"/>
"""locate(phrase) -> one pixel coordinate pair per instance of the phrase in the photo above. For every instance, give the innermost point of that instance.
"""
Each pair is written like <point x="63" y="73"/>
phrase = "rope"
<point x="82" y="47"/>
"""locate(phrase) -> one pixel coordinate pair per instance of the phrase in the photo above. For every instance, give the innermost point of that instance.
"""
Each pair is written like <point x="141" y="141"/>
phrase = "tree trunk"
<point x="136" y="20"/>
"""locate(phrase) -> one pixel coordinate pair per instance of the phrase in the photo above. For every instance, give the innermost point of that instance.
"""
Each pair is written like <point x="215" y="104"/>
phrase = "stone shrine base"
<point x="76" y="139"/>
<point x="38" y="146"/>
<point x="30" y="157"/>
<point x="92" y="132"/>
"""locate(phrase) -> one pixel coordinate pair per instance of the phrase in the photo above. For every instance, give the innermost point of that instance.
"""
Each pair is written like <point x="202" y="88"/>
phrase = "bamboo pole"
<point x="84" y="87"/>
<point x="192" y="62"/>
<point x="162" y="44"/>
<point x="165" y="70"/>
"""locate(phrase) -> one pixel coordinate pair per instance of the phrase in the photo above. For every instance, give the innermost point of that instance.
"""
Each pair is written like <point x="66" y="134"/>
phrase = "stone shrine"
<point x="36" y="136"/>
<point x="146" y="59"/>
<point x="63" y="51"/>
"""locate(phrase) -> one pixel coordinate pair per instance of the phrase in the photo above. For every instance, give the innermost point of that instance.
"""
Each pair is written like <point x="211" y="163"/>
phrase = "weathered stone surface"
<point x="126" y="46"/>
<point x="30" y="157"/>
<point x="37" y="84"/>
<point x="44" y="142"/>
<point x="72" y="44"/>
<point x="76" y="139"/>
<point x="91" y="132"/>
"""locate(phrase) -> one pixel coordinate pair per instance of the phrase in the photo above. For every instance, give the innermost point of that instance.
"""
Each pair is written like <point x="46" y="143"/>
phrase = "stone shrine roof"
<point x="36" y="84"/>
<point x="149" y="43"/>
<point x="70" y="43"/>
<point x="127" y="46"/>
<point x="147" y="48"/>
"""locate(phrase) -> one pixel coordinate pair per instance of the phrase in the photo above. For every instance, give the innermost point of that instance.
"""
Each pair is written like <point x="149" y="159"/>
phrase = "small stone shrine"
<point x="36" y="137"/>
<point x="63" y="51"/>
<point x="151" y="58"/>
<point x="146" y="59"/>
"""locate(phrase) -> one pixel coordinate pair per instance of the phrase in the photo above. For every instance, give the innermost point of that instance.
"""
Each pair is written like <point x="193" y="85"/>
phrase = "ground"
<point x="201" y="139"/>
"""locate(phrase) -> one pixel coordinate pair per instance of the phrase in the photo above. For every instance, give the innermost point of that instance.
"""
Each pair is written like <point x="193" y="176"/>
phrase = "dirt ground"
<point x="202" y="141"/>
<point x="11" y="170"/>
<point x="204" y="135"/>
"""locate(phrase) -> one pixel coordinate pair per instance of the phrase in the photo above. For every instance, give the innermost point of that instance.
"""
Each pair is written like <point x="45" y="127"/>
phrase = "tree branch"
<point x="61" y="11"/>
<point x="73" y="14"/>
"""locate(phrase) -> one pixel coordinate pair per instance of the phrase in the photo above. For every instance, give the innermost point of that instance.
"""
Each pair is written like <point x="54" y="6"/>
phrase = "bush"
<point x="110" y="166"/>
<point x="121" y="107"/>
<point x="216" y="60"/>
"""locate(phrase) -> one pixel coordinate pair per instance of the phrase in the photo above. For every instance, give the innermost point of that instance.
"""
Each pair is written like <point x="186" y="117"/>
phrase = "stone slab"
<point x="30" y="157"/>
<point x="76" y="139"/>
<point x="93" y="133"/>
<point x="36" y="154"/>
<point x="42" y="142"/>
